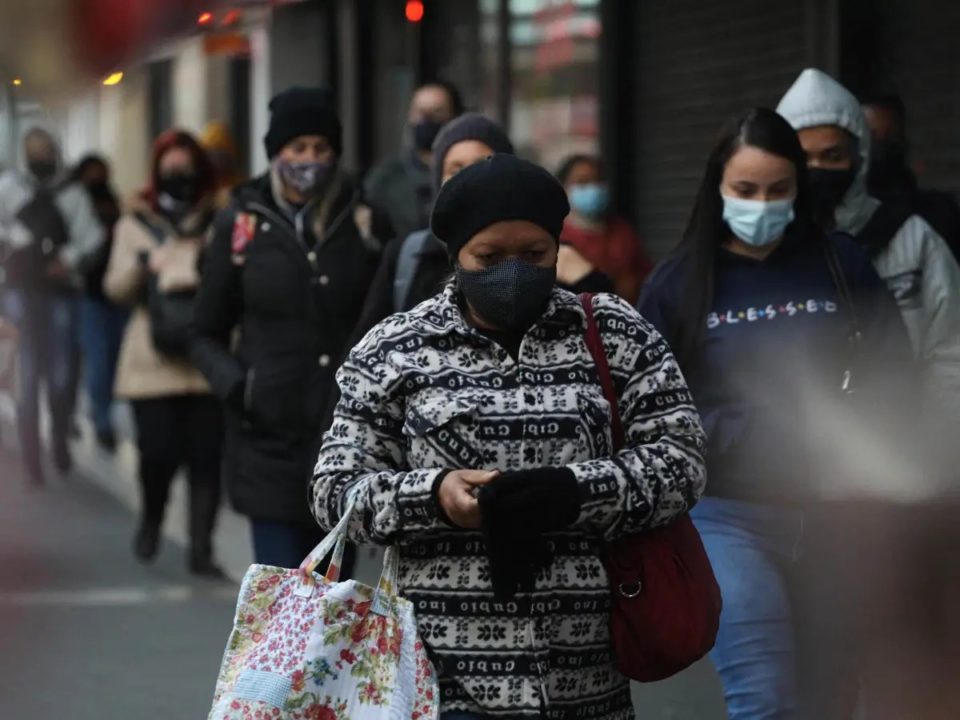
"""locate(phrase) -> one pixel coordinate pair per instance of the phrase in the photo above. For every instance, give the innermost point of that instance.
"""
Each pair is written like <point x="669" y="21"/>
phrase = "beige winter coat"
<point x="142" y="372"/>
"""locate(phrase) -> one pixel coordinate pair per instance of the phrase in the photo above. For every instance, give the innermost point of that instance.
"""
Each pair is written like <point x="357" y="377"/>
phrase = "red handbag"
<point x="666" y="601"/>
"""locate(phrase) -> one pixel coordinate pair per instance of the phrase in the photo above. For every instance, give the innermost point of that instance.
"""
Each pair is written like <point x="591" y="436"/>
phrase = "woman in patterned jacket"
<point x="472" y="431"/>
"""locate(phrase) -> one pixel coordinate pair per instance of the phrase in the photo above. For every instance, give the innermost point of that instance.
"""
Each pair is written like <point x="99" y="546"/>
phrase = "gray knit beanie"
<point x="469" y="126"/>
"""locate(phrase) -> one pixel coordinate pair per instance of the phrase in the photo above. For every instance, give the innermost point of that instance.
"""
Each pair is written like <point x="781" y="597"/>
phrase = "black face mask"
<point x="99" y="188"/>
<point x="182" y="187"/>
<point x="424" y="133"/>
<point x="828" y="188"/>
<point x="42" y="170"/>
<point x="511" y="295"/>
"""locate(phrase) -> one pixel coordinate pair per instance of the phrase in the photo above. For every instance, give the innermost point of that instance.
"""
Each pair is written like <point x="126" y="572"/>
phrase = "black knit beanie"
<point x="302" y="111"/>
<point x="502" y="187"/>
<point x="469" y="126"/>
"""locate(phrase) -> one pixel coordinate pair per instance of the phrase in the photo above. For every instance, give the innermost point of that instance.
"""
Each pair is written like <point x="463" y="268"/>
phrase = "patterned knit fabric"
<point x="423" y="392"/>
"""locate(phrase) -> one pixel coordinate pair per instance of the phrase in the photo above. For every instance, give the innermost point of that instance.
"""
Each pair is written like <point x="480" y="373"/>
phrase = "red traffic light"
<point x="414" y="11"/>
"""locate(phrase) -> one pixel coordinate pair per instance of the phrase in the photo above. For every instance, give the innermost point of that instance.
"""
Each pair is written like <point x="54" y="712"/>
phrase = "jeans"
<point x="283" y="544"/>
<point x="784" y="648"/>
<point x="175" y="431"/>
<point x="48" y="339"/>
<point x="102" y="326"/>
<point x="287" y="544"/>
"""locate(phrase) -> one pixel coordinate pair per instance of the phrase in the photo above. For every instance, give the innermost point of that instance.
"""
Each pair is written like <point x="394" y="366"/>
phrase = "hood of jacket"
<point x="815" y="100"/>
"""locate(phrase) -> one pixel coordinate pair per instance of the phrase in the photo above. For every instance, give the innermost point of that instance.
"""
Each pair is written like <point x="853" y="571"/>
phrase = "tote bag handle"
<point x="336" y="540"/>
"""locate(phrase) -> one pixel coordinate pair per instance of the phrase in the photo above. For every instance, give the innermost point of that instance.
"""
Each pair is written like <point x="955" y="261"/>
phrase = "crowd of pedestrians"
<point x="415" y="344"/>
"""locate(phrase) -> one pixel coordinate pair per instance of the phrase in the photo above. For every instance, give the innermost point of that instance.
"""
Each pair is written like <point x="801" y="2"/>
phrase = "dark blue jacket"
<point x="767" y="375"/>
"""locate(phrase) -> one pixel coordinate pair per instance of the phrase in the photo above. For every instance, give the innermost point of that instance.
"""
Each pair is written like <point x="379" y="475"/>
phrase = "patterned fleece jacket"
<point x="423" y="392"/>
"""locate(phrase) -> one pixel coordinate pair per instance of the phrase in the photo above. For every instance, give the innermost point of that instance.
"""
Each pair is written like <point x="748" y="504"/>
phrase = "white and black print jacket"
<point x="423" y="392"/>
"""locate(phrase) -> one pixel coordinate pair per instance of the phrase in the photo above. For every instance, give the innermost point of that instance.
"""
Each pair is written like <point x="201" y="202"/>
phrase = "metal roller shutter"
<point x="926" y="71"/>
<point x="697" y="64"/>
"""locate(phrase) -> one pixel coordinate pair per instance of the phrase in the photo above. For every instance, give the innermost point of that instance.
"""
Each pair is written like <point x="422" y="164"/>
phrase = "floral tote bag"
<point x="307" y="647"/>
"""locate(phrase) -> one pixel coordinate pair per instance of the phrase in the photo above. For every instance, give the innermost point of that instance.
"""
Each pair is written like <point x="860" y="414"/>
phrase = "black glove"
<point x="517" y="508"/>
<point x="548" y="499"/>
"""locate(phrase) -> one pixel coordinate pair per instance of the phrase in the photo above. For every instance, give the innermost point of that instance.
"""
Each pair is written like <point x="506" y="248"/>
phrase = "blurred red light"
<point x="414" y="11"/>
<point x="205" y="18"/>
<point x="231" y="18"/>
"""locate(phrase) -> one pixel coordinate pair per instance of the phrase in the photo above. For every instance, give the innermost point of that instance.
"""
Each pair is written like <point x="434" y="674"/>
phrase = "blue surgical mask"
<point x="757" y="222"/>
<point x="591" y="201"/>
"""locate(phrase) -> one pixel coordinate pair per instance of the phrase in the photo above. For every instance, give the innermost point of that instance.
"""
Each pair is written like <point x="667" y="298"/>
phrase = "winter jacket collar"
<point x="261" y="195"/>
<point x="318" y="210"/>
<point x="816" y="99"/>
<point x="195" y="224"/>
<point x="441" y="315"/>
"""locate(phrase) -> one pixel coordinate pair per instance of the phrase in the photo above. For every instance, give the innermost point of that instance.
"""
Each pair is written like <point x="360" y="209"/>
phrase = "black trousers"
<point x="174" y="432"/>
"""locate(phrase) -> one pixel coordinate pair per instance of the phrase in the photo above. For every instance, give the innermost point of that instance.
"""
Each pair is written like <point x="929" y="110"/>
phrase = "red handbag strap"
<point x="595" y="346"/>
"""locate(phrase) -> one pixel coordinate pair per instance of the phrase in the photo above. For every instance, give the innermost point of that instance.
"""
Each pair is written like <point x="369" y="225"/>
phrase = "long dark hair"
<point x="707" y="231"/>
<point x="87" y="162"/>
<point x="571" y="161"/>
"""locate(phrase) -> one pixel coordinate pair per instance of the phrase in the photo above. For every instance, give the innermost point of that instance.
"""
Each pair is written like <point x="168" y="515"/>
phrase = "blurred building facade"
<point x="644" y="82"/>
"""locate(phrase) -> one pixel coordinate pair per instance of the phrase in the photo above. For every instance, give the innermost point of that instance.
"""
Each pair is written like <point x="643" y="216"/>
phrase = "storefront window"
<point x="543" y="75"/>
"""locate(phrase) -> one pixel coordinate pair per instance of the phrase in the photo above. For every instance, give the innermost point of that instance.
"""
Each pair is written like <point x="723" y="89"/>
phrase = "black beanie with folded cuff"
<point x="502" y="187"/>
<point x="302" y="111"/>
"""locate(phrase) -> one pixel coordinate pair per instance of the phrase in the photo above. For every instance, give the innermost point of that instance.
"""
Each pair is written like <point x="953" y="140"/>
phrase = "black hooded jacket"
<point x="295" y="296"/>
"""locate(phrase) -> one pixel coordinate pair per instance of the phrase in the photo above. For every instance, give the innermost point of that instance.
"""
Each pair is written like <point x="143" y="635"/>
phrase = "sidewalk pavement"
<point x="87" y="632"/>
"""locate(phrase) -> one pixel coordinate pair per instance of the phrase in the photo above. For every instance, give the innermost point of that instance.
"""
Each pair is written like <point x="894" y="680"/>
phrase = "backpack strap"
<point x="595" y="345"/>
<point x="158" y="233"/>
<point x="883" y="226"/>
<point x="407" y="262"/>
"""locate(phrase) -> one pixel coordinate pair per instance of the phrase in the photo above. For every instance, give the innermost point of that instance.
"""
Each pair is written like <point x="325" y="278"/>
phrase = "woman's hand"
<point x="457" y="496"/>
<point x="157" y="259"/>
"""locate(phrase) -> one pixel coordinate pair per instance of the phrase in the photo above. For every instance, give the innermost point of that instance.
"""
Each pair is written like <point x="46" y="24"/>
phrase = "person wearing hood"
<point x="289" y="266"/>
<point x="909" y="255"/>
<point x="154" y="269"/>
<point x="473" y="434"/>
<point x="48" y="229"/>
<point x="909" y="656"/>
<point x="892" y="180"/>
<point x="595" y="233"/>
<point x="762" y="308"/>
<point x="402" y="186"/>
